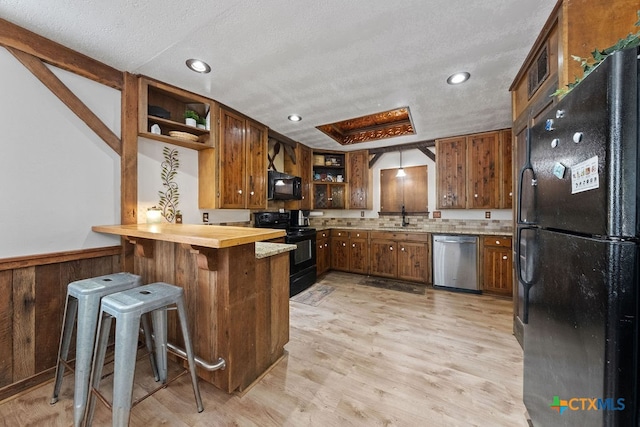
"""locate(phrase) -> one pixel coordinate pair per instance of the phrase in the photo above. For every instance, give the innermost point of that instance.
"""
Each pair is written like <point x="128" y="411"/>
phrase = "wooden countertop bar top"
<point x="208" y="236"/>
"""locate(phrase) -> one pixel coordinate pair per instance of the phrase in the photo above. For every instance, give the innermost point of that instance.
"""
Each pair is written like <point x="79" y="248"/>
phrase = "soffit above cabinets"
<point x="372" y="127"/>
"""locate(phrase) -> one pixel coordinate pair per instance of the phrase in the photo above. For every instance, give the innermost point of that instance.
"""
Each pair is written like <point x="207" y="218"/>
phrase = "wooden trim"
<point x="13" y="36"/>
<point x="281" y="138"/>
<point x="22" y="387"/>
<point x="52" y="258"/>
<point x="129" y="163"/>
<point x="55" y="85"/>
<point x="402" y="147"/>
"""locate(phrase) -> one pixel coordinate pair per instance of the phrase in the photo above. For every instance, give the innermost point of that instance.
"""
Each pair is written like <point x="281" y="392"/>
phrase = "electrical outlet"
<point x="361" y="214"/>
<point x="487" y="214"/>
<point x="437" y="214"/>
<point x="205" y="217"/>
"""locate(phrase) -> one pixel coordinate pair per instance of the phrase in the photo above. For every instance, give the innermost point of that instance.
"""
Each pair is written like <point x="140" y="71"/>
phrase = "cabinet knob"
<point x="390" y="248"/>
<point x="330" y="198"/>
<point x="252" y="193"/>
<point x="239" y="191"/>
<point x="510" y="194"/>
<point x="361" y="198"/>
<point x="444" y="197"/>
<point x="475" y="195"/>
<point x="302" y="197"/>
<point x="326" y="244"/>
<point x="344" y="244"/>
<point x="497" y="242"/>
<point x="505" y="257"/>
<point x="402" y="249"/>
<point x="357" y="234"/>
<point x="353" y="245"/>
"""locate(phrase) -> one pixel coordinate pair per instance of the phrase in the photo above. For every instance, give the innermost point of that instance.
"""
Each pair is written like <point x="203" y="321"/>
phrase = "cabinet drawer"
<point x="322" y="234"/>
<point x="499" y="241"/>
<point x="358" y="234"/>
<point x="339" y="233"/>
<point x="414" y="237"/>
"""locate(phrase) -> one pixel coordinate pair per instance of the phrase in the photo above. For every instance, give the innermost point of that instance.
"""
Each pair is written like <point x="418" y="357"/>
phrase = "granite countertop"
<point x="266" y="249"/>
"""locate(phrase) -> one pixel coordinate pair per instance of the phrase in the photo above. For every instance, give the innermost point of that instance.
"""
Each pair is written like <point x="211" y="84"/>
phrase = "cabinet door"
<point x="390" y="191"/>
<point x="451" y="159"/>
<point x="232" y="161"/>
<point x="340" y="253"/>
<point x="358" y="256"/>
<point x="506" y="172"/>
<point x="413" y="261"/>
<point x="337" y="196"/>
<point x="415" y="189"/>
<point x="358" y="180"/>
<point x="256" y="165"/>
<point x="321" y="196"/>
<point x="305" y="173"/>
<point x="323" y="256"/>
<point x="384" y="258"/>
<point x="483" y="158"/>
<point x="498" y="265"/>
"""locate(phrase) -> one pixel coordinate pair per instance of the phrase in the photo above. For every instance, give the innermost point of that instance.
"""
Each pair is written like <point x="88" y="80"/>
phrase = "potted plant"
<point x="191" y="118"/>
<point x="201" y="123"/>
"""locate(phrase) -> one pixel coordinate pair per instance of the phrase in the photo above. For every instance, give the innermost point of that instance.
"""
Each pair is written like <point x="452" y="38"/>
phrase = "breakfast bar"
<point x="236" y="292"/>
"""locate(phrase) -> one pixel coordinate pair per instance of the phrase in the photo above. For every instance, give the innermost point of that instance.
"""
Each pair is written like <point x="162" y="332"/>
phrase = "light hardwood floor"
<point x="363" y="357"/>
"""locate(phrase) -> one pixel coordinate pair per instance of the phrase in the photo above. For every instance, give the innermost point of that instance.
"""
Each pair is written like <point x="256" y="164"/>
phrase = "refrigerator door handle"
<point x="526" y="285"/>
<point x="534" y="181"/>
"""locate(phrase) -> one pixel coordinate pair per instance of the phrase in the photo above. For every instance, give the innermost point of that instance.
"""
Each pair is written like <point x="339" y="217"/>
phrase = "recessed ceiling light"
<point x="198" y="66"/>
<point x="295" y="117"/>
<point x="458" y="78"/>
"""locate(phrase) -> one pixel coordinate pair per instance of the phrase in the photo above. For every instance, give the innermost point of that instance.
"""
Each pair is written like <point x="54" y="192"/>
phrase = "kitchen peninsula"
<point x="236" y="291"/>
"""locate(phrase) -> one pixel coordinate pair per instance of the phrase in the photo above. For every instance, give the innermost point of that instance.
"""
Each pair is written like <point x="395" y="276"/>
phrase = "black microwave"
<point x="284" y="187"/>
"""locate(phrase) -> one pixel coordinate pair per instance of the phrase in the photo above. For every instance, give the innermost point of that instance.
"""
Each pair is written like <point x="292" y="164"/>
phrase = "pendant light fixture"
<point x="401" y="173"/>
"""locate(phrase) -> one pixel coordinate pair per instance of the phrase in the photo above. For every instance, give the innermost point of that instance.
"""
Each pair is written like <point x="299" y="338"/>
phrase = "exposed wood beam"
<point x="129" y="164"/>
<point x="420" y="145"/>
<point x="283" y="139"/>
<point x="55" y="85"/>
<point x="15" y="37"/>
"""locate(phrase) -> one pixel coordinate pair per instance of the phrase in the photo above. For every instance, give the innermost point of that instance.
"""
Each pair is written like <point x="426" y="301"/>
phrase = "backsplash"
<point x="419" y="223"/>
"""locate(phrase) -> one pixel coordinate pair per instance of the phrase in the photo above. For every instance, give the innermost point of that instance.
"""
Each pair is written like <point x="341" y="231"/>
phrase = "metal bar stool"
<point x="83" y="300"/>
<point x="126" y="308"/>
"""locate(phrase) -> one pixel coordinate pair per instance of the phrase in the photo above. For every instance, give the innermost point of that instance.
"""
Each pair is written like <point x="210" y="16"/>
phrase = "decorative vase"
<point x="190" y="122"/>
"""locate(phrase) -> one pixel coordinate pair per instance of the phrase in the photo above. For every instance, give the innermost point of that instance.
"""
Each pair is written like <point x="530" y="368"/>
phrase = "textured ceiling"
<point x="326" y="60"/>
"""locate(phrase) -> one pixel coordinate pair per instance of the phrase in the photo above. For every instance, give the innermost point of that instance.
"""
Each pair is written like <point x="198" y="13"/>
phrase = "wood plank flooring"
<point x="363" y="357"/>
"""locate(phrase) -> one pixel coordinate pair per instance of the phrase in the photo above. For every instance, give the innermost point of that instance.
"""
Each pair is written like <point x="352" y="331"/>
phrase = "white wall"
<point x="57" y="177"/>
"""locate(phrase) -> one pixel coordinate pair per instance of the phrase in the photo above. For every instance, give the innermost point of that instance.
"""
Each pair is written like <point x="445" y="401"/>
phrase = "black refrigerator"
<point x="577" y="253"/>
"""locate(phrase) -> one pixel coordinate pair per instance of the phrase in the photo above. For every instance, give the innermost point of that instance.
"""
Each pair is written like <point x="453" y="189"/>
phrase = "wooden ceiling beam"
<point x="58" y="88"/>
<point x="423" y="146"/>
<point x="15" y="37"/>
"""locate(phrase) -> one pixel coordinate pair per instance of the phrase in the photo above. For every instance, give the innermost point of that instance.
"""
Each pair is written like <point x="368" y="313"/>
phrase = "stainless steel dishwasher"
<point x="455" y="262"/>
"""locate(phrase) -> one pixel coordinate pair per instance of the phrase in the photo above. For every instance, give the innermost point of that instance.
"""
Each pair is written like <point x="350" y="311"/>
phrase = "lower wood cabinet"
<point x="497" y="265"/>
<point x="323" y="254"/>
<point x="400" y="255"/>
<point x="350" y="251"/>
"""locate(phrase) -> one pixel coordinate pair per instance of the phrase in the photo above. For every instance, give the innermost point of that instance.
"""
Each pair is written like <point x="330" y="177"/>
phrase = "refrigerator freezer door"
<point x="580" y="340"/>
<point x="585" y="154"/>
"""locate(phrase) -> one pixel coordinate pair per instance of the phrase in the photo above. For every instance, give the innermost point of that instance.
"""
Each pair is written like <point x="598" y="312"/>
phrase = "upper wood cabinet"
<point x="410" y="190"/>
<point x="163" y="106"/>
<point x="474" y="171"/>
<point x="301" y="168"/>
<point x="359" y="179"/>
<point x="451" y="178"/>
<point x="241" y="166"/>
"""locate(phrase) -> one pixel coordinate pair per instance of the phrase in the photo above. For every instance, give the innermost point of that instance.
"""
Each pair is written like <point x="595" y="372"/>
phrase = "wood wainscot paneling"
<point x="33" y="292"/>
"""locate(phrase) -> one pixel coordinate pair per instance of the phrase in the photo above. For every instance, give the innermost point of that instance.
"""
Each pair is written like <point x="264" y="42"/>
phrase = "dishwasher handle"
<point x="455" y="239"/>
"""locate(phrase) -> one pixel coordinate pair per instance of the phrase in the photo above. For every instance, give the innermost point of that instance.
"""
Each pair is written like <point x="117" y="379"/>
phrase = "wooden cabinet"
<point x="242" y="156"/>
<point x="474" y="171"/>
<point x="497" y="265"/>
<point x="323" y="254"/>
<point x="451" y="179"/>
<point x="384" y="257"/>
<point x="329" y="196"/>
<point x="301" y="168"/>
<point x="409" y="191"/>
<point x="340" y="250"/>
<point x="359" y="179"/>
<point x="359" y="252"/>
<point x="164" y="105"/>
<point x="413" y="261"/>
<point x="400" y="255"/>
